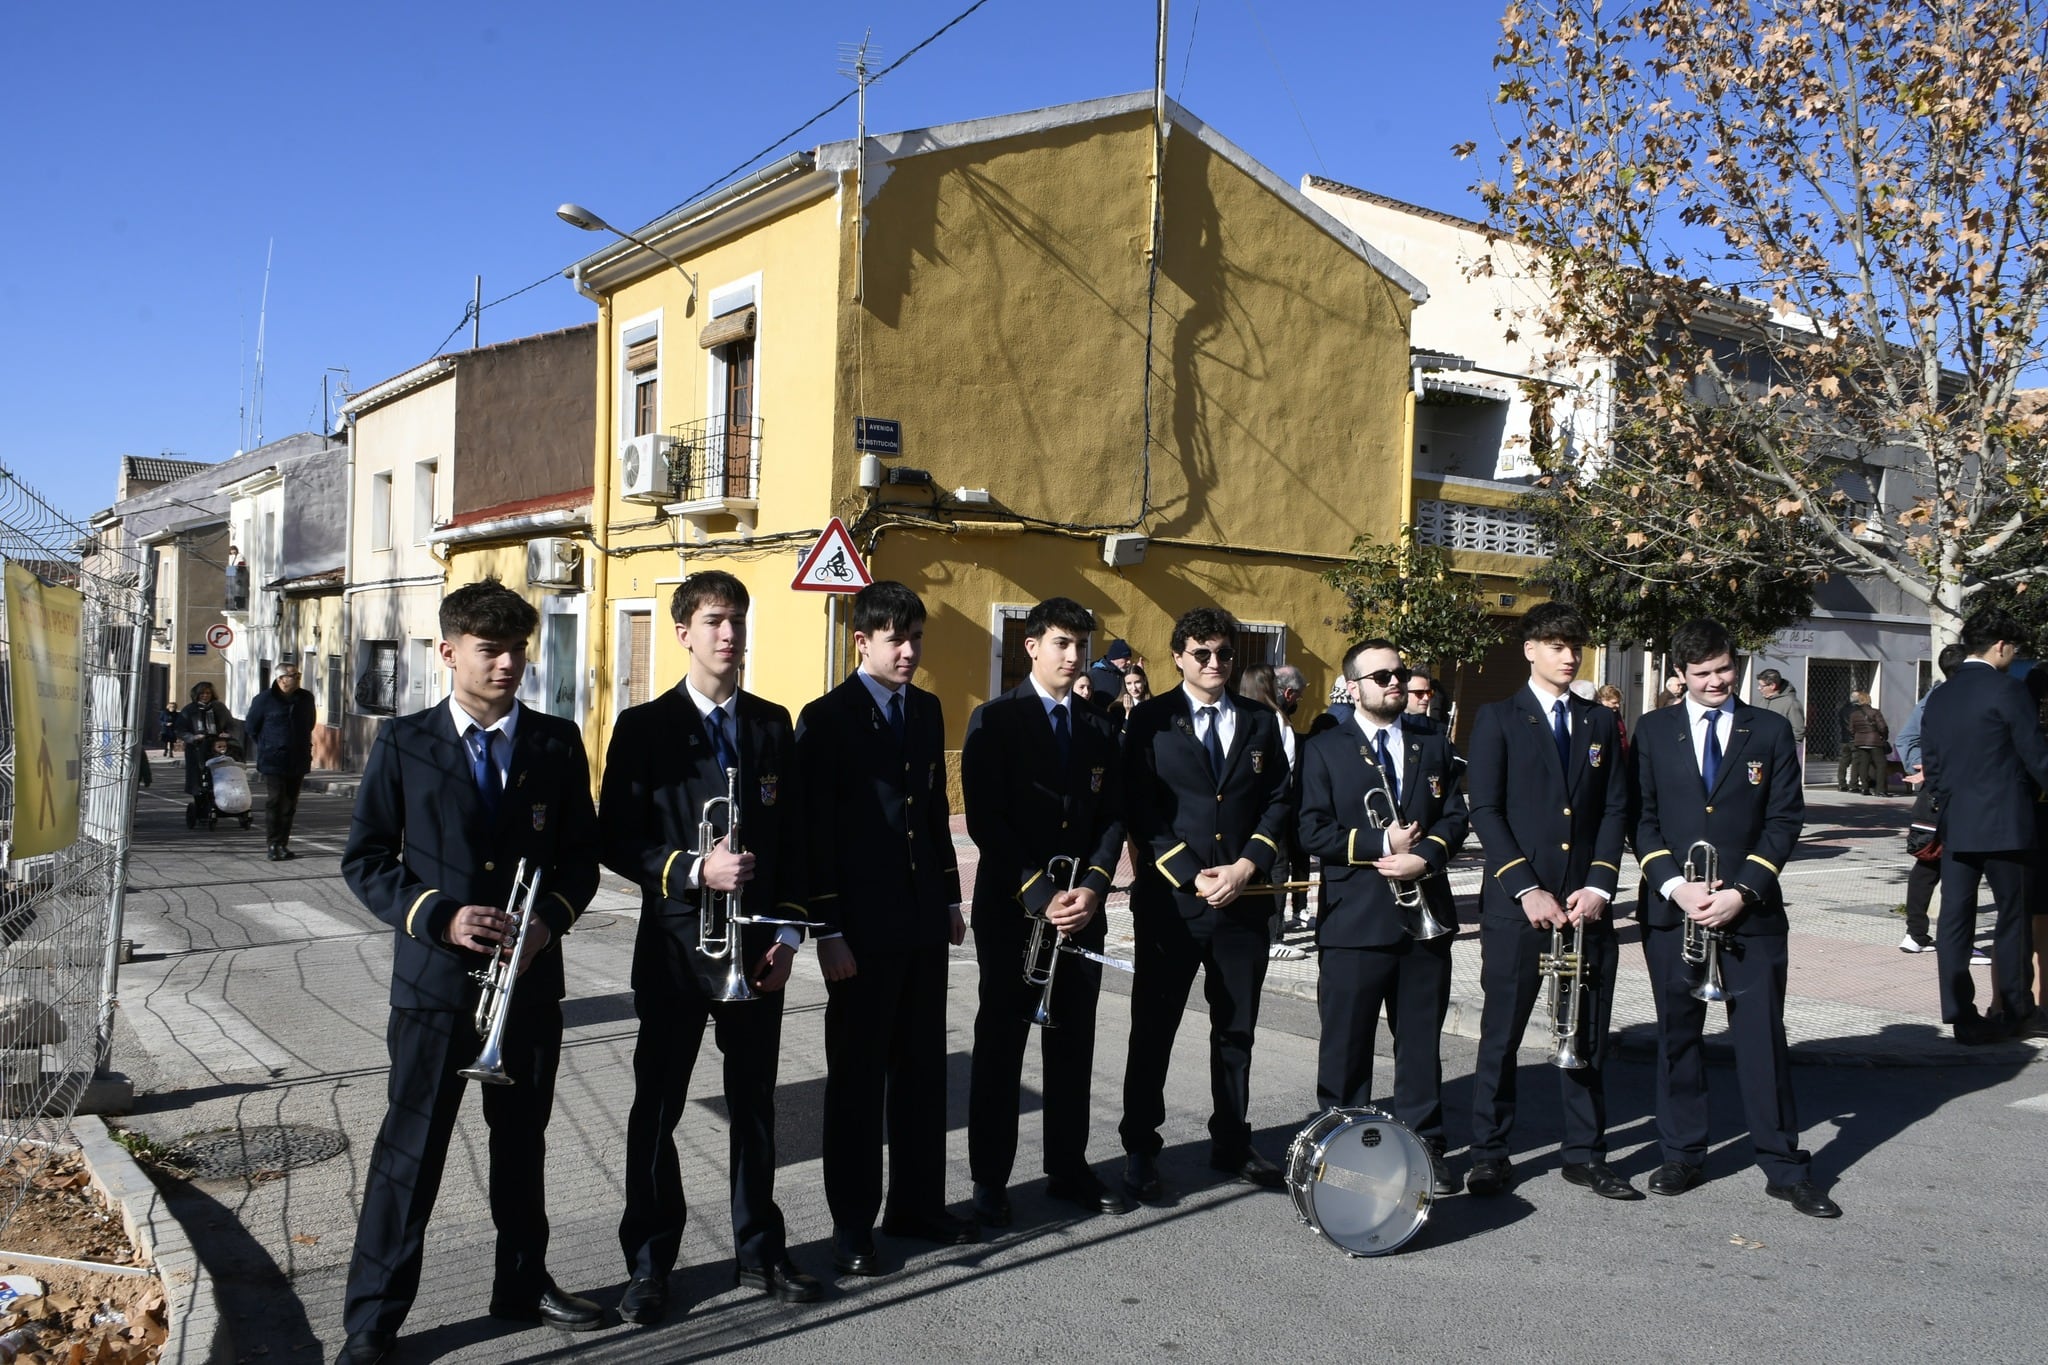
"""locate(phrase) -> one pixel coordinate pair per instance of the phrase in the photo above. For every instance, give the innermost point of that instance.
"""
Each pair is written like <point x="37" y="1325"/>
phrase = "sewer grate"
<point x="247" y="1152"/>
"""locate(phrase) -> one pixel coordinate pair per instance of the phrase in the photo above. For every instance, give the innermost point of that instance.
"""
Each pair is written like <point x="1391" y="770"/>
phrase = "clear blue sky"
<point x="393" y="151"/>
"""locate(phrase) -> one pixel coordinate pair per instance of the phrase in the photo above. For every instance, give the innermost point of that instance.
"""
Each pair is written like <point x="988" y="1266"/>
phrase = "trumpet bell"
<point x="488" y="1068"/>
<point x="1567" y="1057"/>
<point x="1425" y="926"/>
<point x="1710" y="990"/>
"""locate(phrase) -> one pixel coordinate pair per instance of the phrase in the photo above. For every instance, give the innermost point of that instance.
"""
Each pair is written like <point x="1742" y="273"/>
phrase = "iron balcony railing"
<point x="717" y="457"/>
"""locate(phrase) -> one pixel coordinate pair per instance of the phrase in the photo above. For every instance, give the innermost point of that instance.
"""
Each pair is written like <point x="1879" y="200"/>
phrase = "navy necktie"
<point x="896" y="714"/>
<point x="483" y="769"/>
<point x="1062" y="737"/>
<point x="721" y="742"/>
<point x="1710" y="765"/>
<point x="1563" y="733"/>
<point x="1386" y="758"/>
<point x="1213" y="742"/>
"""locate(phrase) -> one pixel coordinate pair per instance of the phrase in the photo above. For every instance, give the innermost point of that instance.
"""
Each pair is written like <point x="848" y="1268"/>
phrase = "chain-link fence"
<point x="60" y="912"/>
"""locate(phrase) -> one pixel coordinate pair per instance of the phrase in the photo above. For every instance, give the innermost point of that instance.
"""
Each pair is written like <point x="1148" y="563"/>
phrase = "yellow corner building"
<point x="1069" y="419"/>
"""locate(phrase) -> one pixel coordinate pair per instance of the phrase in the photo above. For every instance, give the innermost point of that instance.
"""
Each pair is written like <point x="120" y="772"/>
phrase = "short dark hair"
<point x="1985" y="628"/>
<point x="1203" y="623"/>
<point x="488" y="610"/>
<point x="1063" y="612"/>
<point x="1376" y="642"/>
<point x="1951" y="658"/>
<point x="886" y="605"/>
<point x="1421" y="673"/>
<point x="706" y="585"/>
<point x="1771" y="676"/>
<point x="1699" y="640"/>
<point x="1555" y="621"/>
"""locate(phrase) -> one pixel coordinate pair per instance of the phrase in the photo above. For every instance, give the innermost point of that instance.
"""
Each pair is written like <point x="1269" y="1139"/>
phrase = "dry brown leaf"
<point x="306" y="1239"/>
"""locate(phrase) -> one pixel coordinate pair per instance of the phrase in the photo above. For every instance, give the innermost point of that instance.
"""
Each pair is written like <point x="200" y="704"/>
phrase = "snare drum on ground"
<point x="1361" y="1179"/>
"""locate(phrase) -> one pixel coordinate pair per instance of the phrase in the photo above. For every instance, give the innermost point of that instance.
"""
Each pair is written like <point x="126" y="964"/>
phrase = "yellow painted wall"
<point x="794" y="348"/>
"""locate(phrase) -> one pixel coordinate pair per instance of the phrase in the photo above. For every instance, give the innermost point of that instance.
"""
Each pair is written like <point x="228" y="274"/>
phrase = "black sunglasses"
<point x="1222" y="656"/>
<point x="1384" y="677"/>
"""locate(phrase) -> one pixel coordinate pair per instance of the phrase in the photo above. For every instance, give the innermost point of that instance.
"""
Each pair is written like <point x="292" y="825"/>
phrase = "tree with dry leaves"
<point x="1407" y="591"/>
<point x="1810" y="240"/>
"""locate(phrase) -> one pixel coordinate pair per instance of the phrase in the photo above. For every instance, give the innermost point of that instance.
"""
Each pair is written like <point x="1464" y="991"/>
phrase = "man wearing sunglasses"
<point x="1380" y="805"/>
<point x="1420" y="694"/>
<point x="1207" y="784"/>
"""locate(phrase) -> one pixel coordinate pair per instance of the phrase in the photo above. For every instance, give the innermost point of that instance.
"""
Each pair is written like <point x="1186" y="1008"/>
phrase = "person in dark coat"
<point x="279" y="729"/>
<point x="1208" y="804"/>
<point x="1039" y="777"/>
<point x="1710" y="769"/>
<point x="884" y="890"/>
<point x="198" y="723"/>
<point x="701" y="741"/>
<point x="1550" y="804"/>
<point x="1369" y="954"/>
<point x="1871" y="739"/>
<point x="1987" y="764"/>
<point x="453" y="798"/>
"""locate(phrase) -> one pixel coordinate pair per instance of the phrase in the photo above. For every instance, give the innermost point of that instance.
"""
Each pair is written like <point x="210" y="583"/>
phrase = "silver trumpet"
<point x="721" y="915"/>
<point x="498" y="979"/>
<point x="1042" y="951"/>
<point x="1701" y="946"/>
<point x="1564" y="971"/>
<point x="1415" y="916"/>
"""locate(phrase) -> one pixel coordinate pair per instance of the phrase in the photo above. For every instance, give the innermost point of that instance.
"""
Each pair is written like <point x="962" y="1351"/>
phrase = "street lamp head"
<point x="575" y="215"/>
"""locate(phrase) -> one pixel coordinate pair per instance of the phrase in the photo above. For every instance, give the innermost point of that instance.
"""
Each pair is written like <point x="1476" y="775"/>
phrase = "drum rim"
<point x="1303" y="1194"/>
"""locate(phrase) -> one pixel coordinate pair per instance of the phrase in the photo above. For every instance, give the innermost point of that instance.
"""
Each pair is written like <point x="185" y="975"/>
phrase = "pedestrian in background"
<point x="1776" y="695"/>
<point x="1421" y="693"/>
<point x="279" y="728"/>
<point x="198" y="723"/>
<point x="1105" y="677"/>
<point x="167" y="729"/>
<point x="1872" y="740"/>
<point x="1987" y="762"/>
<point x="1339" y="709"/>
<point x="1136" y="688"/>
<point x="1926" y="872"/>
<point x="1257" y="686"/>
<point x="1292" y="686"/>
<point x="1610" y="697"/>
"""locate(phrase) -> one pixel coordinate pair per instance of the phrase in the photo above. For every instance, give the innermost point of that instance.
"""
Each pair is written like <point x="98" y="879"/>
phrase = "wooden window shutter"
<point x="642" y="355"/>
<point x="734" y="326"/>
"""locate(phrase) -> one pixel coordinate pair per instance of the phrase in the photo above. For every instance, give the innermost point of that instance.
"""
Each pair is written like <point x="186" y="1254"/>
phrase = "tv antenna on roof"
<point x="854" y="61"/>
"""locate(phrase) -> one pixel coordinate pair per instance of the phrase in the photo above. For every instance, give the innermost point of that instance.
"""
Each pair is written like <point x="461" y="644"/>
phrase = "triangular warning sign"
<point x="833" y="565"/>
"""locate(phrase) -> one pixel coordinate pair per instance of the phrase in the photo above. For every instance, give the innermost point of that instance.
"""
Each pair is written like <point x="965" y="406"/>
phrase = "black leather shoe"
<point x="645" y="1301"/>
<point x="554" y="1306"/>
<point x="1250" y="1168"/>
<point x="853" y="1253"/>
<point x="1974" y="1030"/>
<point x="940" y="1227"/>
<point x="1141" y="1179"/>
<point x="1676" y="1177"/>
<point x="1088" y="1193"/>
<point x="2032" y="1024"/>
<point x="1490" y="1176"/>
<point x="1805" y="1196"/>
<point x="366" y="1348"/>
<point x="781" y="1281"/>
<point x="270" y="854"/>
<point x="1600" y="1178"/>
<point x="991" y="1206"/>
<point x="1443" y="1181"/>
<point x="285" y="854"/>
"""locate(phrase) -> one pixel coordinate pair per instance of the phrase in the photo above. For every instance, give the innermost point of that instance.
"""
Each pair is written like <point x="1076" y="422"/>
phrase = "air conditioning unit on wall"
<point x="644" y="467"/>
<point x="554" y="562"/>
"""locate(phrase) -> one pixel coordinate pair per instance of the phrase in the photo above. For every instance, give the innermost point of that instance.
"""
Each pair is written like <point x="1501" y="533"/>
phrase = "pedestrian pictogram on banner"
<point x="833" y="565"/>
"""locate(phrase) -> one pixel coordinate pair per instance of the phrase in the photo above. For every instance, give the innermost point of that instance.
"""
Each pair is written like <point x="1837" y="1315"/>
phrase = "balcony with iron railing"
<point x="715" y="470"/>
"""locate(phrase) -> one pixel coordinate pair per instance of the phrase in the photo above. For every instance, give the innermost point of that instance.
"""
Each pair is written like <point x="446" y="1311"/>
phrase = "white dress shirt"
<point x="1696" y="722"/>
<point x="786" y="936"/>
<point x="500" y="735"/>
<point x="1225" y="722"/>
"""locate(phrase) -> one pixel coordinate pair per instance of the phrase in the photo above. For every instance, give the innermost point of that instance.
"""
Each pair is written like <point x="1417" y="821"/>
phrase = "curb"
<point x="198" y="1335"/>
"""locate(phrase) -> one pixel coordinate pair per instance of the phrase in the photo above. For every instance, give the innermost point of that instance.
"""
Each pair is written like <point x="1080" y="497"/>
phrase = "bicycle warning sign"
<point x="833" y="565"/>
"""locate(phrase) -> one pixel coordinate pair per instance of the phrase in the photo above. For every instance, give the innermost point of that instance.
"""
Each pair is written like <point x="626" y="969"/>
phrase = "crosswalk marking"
<point x="289" y="921"/>
<point x="2037" y="1103"/>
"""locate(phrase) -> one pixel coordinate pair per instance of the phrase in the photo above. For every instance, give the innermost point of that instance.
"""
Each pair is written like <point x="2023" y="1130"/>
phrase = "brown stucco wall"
<point x="523" y="416"/>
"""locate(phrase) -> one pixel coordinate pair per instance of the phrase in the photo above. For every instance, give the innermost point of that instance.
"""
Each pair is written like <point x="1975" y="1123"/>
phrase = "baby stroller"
<point x="222" y="790"/>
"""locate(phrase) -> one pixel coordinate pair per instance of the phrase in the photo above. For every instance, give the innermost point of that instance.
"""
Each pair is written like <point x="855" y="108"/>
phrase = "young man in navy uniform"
<point x="1550" y="803"/>
<point x="884" y="890"/>
<point x="667" y="758"/>
<point x="1039" y="773"/>
<point x="1987" y="764"/>
<point x="1208" y="802"/>
<point x="1368" y="954"/>
<point x="452" y="798"/>
<point x="1716" y="770"/>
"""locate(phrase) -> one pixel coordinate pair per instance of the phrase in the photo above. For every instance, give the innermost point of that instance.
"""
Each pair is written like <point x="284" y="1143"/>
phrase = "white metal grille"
<point x="1469" y="526"/>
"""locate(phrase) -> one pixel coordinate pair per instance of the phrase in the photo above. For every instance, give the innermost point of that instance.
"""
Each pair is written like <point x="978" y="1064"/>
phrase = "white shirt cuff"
<point x="1671" y="884"/>
<point x="696" y="880"/>
<point x="789" y="938"/>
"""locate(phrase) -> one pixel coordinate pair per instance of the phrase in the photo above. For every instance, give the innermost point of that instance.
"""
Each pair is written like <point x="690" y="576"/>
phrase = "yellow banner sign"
<point x="45" y="676"/>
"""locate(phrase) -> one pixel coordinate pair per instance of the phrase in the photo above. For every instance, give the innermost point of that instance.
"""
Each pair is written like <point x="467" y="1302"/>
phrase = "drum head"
<point x="1367" y="1184"/>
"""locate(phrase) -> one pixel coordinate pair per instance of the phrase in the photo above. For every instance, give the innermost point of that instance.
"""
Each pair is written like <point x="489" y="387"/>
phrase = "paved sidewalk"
<point x="1854" y="998"/>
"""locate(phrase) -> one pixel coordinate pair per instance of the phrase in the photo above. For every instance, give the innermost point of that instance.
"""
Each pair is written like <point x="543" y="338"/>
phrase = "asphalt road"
<point x="257" y="999"/>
